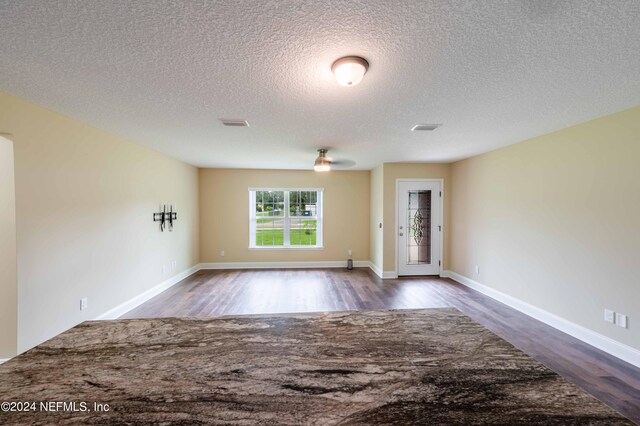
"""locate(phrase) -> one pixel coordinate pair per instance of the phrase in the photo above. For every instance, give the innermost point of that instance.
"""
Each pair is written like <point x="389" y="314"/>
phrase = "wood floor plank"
<point x="231" y="292"/>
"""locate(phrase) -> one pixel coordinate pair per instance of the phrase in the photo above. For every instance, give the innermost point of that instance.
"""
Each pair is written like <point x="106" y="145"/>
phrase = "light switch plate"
<point x="621" y="320"/>
<point x="609" y="316"/>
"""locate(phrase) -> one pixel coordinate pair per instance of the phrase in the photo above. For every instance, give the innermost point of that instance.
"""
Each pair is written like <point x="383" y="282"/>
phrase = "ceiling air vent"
<point x="428" y="127"/>
<point x="234" y="123"/>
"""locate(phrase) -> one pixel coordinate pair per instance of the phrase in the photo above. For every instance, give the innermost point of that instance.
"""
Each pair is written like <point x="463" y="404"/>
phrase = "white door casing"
<point x="419" y="226"/>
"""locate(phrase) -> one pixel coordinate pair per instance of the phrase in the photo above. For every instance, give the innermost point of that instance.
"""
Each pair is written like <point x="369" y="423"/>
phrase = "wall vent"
<point x="234" y="123"/>
<point x="428" y="127"/>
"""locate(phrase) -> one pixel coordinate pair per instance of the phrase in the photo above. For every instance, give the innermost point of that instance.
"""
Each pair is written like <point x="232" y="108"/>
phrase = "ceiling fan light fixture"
<point x="349" y="70"/>
<point x="322" y="164"/>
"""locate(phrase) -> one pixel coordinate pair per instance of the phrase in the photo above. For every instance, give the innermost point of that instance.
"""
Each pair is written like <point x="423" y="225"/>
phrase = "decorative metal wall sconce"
<point x="165" y="217"/>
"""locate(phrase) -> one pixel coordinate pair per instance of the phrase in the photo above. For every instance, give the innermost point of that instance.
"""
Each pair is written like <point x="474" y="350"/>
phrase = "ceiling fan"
<point x="324" y="163"/>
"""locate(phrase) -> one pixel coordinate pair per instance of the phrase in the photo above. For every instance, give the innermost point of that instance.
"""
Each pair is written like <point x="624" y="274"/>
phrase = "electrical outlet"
<point x="349" y="252"/>
<point x="221" y="253"/>
<point x="477" y="270"/>
<point x="621" y="320"/>
<point x="609" y="316"/>
<point x="83" y="303"/>
<point x="174" y="265"/>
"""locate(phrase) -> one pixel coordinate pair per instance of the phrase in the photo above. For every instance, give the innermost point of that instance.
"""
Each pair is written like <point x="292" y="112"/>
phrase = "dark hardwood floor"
<point x="234" y="292"/>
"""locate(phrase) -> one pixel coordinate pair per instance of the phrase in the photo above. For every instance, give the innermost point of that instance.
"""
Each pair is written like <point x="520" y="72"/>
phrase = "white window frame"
<point x="319" y="217"/>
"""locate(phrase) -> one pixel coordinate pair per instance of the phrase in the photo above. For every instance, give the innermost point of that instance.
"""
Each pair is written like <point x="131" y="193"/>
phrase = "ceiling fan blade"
<point x="342" y="164"/>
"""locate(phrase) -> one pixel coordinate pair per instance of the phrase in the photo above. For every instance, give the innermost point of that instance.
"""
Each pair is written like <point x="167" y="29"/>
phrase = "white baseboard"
<point x="3" y="360"/>
<point x="138" y="300"/>
<point x="284" y="265"/>
<point x="385" y="275"/>
<point x="299" y="265"/>
<point x="376" y="269"/>
<point x="604" y="343"/>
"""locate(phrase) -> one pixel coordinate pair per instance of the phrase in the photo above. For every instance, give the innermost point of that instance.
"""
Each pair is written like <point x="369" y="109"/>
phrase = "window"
<point x="289" y="218"/>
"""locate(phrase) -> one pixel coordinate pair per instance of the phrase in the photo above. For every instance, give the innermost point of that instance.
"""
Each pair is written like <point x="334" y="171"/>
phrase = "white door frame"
<point x="397" y="223"/>
<point x="9" y="267"/>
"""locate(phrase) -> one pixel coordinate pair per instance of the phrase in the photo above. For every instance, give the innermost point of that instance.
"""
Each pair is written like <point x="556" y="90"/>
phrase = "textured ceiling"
<point x="162" y="73"/>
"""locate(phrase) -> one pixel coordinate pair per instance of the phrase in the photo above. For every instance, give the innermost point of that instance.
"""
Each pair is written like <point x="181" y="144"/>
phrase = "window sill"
<point x="286" y="248"/>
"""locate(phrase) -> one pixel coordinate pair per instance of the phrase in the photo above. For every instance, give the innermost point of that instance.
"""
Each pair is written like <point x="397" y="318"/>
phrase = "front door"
<point x="419" y="227"/>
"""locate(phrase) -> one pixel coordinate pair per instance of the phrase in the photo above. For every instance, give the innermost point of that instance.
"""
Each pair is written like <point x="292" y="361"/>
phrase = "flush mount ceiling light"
<point x="322" y="164"/>
<point x="349" y="70"/>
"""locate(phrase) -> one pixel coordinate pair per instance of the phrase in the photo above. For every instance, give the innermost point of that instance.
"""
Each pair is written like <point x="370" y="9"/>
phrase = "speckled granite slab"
<point x="430" y="366"/>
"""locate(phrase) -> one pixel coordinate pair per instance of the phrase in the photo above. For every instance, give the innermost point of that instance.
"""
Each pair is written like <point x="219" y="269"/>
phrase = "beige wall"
<point x="376" y="215"/>
<point x="8" y="281"/>
<point x="393" y="171"/>
<point x="224" y="214"/>
<point x="84" y="204"/>
<point x="553" y="221"/>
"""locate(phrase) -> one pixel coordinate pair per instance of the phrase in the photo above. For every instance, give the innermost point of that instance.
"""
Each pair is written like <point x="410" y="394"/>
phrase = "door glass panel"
<point x="419" y="228"/>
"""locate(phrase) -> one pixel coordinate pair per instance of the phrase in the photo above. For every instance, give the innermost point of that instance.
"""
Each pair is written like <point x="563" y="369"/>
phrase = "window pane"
<point x="303" y="203"/>
<point x="269" y="230"/>
<point x="269" y="203"/>
<point x="278" y="209"/>
<point x="269" y="218"/>
<point x="302" y="232"/>
<point x="269" y="237"/>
